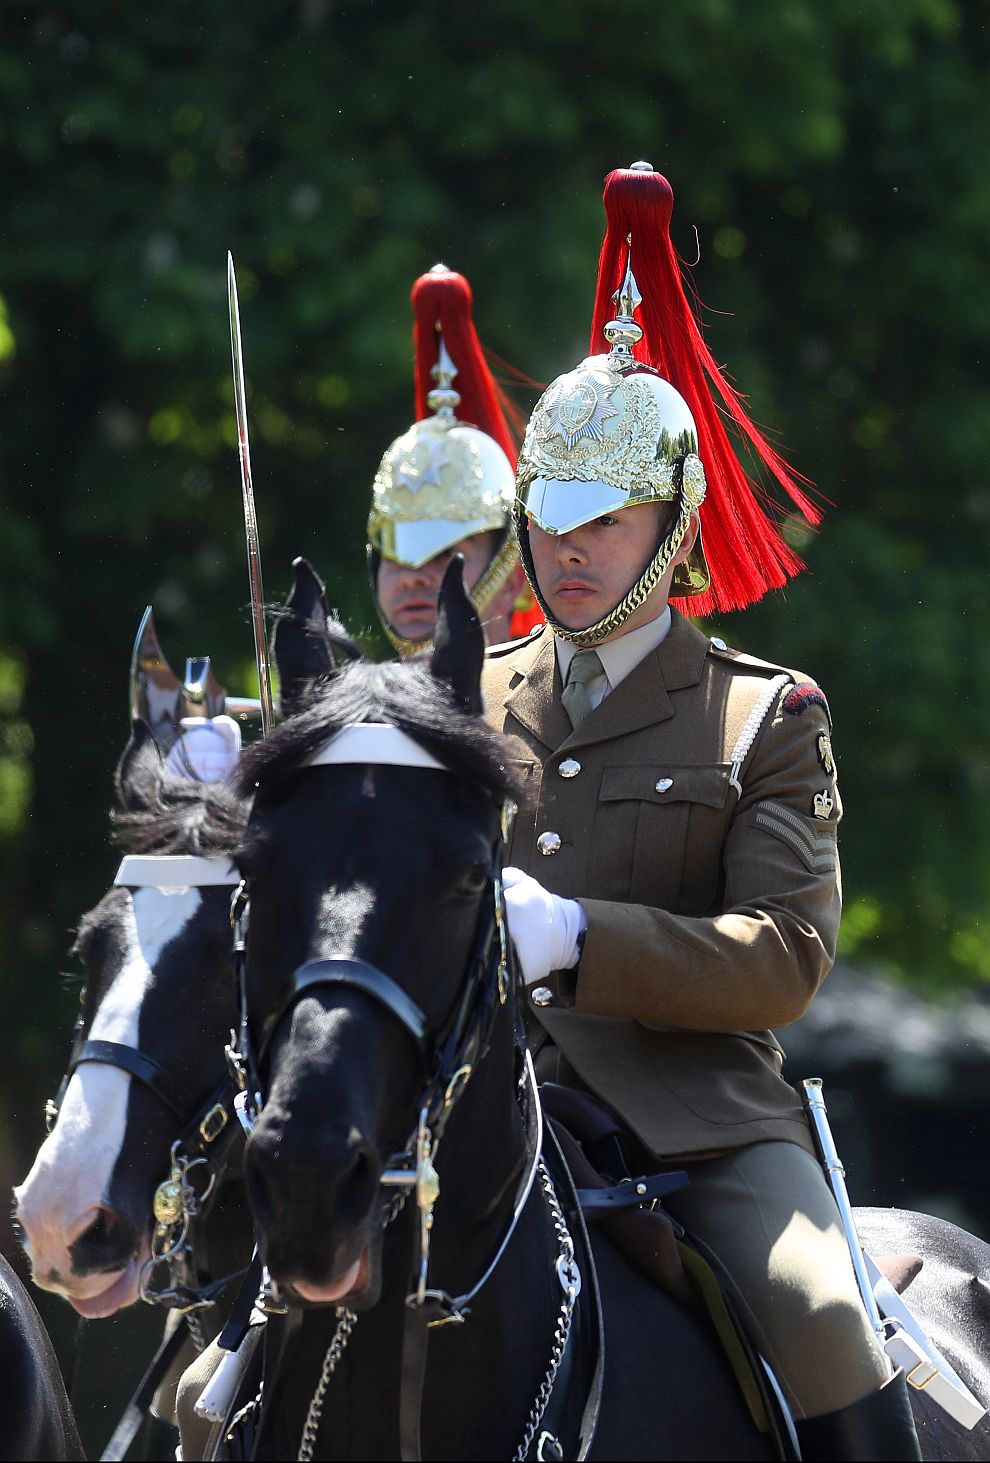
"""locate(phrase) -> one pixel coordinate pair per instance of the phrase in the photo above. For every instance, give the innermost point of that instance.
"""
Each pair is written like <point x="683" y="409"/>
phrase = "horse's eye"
<point x="473" y="882"/>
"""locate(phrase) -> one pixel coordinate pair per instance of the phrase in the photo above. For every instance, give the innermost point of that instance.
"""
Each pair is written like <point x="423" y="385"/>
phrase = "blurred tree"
<point x="831" y="169"/>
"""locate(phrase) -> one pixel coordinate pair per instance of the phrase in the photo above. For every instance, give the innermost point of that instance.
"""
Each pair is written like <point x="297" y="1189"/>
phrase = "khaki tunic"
<point x="712" y="893"/>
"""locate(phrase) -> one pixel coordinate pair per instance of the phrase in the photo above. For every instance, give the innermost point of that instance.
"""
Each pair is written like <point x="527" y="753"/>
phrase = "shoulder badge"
<point x="805" y="695"/>
<point x="825" y="757"/>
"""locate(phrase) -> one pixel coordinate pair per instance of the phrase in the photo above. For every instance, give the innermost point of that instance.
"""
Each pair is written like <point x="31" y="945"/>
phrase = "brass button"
<point x="569" y="768"/>
<point x="548" y="843"/>
<point x="542" y="995"/>
<point x="718" y="643"/>
<point x="665" y="784"/>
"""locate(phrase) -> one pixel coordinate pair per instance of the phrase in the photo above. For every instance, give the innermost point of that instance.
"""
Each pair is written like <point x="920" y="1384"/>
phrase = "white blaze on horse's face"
<point x="70" y="1179"/>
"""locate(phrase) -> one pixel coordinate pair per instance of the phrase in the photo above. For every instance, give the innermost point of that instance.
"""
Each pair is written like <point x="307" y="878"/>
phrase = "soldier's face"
<point x="584" y="574"/>
<point x="408" y="597"/>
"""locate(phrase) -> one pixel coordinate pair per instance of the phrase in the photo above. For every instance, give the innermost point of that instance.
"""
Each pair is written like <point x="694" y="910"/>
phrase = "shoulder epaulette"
<point x="723" y="652"/>
<point x="508" y="646"/>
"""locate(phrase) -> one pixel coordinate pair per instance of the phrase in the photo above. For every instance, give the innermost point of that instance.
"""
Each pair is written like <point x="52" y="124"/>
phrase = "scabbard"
<point x="835" y="1173"/>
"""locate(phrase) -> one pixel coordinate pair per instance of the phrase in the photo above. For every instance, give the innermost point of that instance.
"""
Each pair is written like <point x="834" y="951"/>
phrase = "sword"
<point x="250" y="519"/>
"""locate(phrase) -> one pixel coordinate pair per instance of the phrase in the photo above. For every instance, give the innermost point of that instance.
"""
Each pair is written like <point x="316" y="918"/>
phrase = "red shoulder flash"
<point x="804" y="696"/>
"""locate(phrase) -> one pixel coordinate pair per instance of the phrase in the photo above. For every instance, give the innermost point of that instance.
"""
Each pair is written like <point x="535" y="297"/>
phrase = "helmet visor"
<point x="414" y="542"/>
<point x="557" y="506"/>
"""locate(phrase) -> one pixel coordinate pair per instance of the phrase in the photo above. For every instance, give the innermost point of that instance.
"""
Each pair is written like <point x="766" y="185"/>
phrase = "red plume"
<point x="442" y="300"/>
<point x="743" y="545"/>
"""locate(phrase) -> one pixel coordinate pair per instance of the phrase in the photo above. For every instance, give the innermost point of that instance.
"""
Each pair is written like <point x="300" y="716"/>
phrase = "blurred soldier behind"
<point x="447" y="485"/>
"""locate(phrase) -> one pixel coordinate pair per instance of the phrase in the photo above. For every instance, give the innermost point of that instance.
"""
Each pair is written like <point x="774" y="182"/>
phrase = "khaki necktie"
<point x="585" y="667"/>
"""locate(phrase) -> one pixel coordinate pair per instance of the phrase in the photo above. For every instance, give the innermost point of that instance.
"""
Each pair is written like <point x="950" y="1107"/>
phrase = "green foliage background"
<point x="831" y="165"/>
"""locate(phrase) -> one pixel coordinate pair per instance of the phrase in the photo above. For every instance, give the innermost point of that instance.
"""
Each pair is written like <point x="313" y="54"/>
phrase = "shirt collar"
<point x="620" y="656"/>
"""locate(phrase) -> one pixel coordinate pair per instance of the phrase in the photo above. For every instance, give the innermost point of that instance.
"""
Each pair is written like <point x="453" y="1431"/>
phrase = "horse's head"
<point x="158" y="984"/>
<point x="370" y="857"/>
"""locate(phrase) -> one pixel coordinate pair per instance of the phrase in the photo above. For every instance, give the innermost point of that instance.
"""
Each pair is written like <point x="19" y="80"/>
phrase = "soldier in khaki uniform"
<point x="674" y="889"/>
<point x="446" y="485"/>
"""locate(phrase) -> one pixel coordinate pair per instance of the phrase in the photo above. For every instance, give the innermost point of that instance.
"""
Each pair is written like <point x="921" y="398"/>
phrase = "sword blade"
<point x="250" y="518"/>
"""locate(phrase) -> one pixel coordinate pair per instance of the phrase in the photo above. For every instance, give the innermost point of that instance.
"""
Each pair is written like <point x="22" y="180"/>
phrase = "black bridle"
<point x="204" y="1140"/>
<point x="447" y="1060"/>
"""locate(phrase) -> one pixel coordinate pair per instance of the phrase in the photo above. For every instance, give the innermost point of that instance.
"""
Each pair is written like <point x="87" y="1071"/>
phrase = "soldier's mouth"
<point x="415" y="609"/>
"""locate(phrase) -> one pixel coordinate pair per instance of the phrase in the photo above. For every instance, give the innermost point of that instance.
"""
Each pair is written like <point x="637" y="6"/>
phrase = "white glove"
<point x="207" y="749"/>
<point x="545" y="929"/>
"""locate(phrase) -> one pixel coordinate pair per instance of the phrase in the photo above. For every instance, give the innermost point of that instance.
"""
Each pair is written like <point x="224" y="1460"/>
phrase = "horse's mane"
<point x="180" y="817"/>
<point x="404" y="694"/>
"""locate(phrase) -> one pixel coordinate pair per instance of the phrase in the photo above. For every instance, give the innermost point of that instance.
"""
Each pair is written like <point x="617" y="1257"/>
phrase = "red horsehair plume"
<point x="745" y="551"/>
<point x="442" y="305"/>
<point x="442" y="302"/>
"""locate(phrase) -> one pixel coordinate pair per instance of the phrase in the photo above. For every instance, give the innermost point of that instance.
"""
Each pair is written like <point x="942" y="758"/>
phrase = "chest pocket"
<point x="659" y="832"/>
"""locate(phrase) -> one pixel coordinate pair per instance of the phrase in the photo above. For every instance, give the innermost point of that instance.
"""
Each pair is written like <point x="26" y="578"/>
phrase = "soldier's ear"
<point x="308" y="644"/>
<point x="689" y="540"/>
<point x="458" y="641"/>
<point x="139" y="771"/>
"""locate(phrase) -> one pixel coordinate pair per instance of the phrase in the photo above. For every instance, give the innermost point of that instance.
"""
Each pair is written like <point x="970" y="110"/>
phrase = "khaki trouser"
<point x="767" y="1212"/>
<point x="199" y="1437"/>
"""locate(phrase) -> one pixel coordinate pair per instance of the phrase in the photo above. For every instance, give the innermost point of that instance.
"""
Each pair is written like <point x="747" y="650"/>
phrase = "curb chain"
<point x="570" y="1279"/>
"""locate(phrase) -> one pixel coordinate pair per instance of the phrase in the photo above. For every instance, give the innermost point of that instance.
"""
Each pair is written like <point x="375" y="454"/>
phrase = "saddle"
<point x="598" y="1149"/>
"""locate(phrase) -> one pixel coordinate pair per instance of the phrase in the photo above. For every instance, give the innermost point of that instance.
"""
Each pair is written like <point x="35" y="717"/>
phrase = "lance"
<point x="250" y="518"/>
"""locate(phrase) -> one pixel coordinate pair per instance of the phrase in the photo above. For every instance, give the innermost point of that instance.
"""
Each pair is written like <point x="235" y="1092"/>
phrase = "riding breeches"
<point x="768" y="1214"/>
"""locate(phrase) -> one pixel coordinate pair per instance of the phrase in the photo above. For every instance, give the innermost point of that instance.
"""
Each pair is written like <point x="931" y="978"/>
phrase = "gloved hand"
<point x="206" y="750"/>
<point x="544" y="928"/>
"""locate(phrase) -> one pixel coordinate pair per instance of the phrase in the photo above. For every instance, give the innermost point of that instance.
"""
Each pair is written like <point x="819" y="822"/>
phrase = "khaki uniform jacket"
<point x="711" y="891"/>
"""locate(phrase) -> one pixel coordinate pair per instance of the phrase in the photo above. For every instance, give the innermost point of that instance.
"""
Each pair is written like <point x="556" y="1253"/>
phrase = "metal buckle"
<point x="214" y="1123"/>
<point x="920" y="1386"/>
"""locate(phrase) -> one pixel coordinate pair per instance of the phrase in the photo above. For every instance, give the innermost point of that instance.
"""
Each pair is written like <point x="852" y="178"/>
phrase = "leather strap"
<point x="129" y="1059"/>
<point x="597" y="1203"/>
<point x="136" y="1410"/>
<point x="362" y="976"/>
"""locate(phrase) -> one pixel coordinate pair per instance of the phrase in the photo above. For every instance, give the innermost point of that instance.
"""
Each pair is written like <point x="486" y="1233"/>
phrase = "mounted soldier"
<point x="675" y="885"/>
<point x="447" y="484"/>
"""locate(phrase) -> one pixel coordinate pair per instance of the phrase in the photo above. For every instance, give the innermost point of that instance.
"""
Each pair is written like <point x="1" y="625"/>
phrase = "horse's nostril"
<point x="326" y="1178"/>
<point x="108" y="1244"/>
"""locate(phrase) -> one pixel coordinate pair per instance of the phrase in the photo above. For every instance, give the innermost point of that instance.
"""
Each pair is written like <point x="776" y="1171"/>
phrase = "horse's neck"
<point x="509" y="1332"/>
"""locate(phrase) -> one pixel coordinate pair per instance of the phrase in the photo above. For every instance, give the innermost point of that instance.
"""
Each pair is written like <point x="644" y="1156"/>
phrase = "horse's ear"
<point x="305" y="638"/>
<point x="139" y="769"/>
<point x="458" y="641"/>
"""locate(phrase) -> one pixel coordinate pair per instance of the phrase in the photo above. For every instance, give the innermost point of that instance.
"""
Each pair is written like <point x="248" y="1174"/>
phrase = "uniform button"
<point x="542" y="995"/>
<point x="569" y="768"/>
<point x="665" y="784"/>
<point x="718" y="644"/>
<point x="548" y="843"/>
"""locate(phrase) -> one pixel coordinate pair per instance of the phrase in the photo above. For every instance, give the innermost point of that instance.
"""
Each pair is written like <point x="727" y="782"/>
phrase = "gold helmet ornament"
<point x="640" y="425"/>
<point x="451" y="475"/>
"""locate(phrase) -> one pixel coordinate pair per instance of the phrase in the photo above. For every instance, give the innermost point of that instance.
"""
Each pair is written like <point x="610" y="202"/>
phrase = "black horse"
<point x="359" y="867"/>
<point x="36" y="1419"/>
<point x="159" y="987"/>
